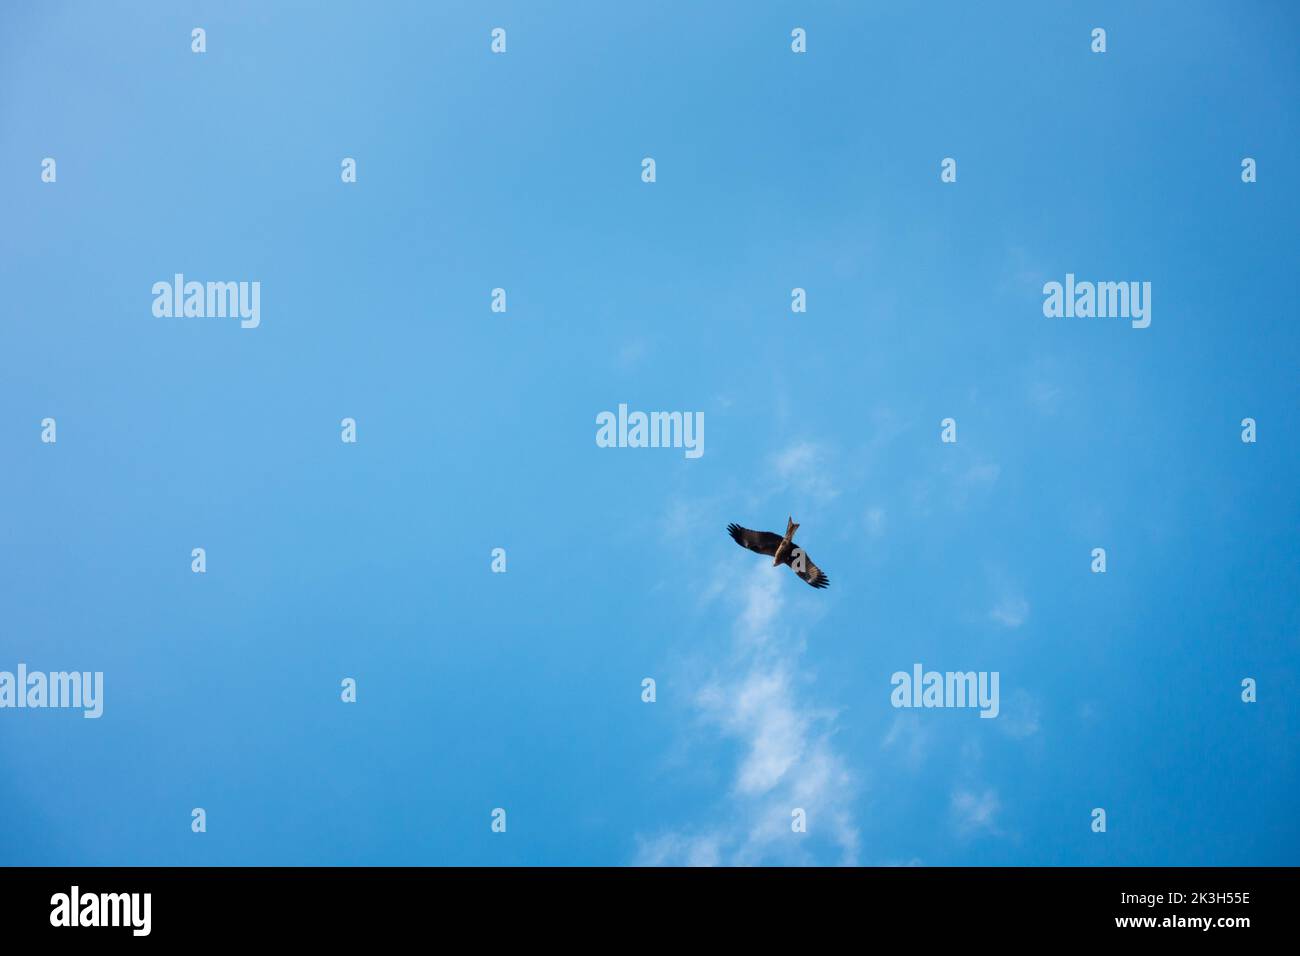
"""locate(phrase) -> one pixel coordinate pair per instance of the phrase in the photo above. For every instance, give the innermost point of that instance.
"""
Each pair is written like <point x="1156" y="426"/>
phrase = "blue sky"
<point x="476" y="431"/>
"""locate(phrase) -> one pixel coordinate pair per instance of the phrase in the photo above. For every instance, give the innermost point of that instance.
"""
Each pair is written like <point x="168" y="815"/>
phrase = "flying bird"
<point x="782" y="550"/>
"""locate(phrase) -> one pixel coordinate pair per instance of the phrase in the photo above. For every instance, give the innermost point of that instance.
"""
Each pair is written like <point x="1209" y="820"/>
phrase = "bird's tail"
<point x="790" y="527"/>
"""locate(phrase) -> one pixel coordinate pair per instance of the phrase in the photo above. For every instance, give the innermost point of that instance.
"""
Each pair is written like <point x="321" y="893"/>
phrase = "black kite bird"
<point x="782" y="550"/>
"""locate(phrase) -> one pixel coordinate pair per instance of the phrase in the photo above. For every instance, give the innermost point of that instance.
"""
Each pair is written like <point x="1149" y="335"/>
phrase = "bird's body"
<point x="785" y="545"/>
<point x="782" y="549"/>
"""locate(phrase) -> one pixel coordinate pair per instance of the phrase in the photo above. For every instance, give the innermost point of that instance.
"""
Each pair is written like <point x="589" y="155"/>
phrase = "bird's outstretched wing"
<point x="803" y="566"/>
<point x="764" y="542"/>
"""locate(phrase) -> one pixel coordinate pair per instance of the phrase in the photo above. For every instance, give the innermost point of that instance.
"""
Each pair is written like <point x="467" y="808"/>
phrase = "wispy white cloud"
<point x="957" y="485"/>
<point x="1045" y="397"/>
<point x="909" y="737"/>
<point x="1043" y="385"/>
<point x="1021" y="275"/>
<point x="984" y="473"/>
<point x="759" y="710"/>
<point x="682" y="518"/>
<point x="802" y="468"/>
<point x="975" y="812"/>
<point x="1020" y="715"/>
<point x="1010" y="611"/>
<point x="788" y="759"/>
<point x="675" y="849"/>
<point x="631" y="354"/>
<point x="972" y="482"/>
